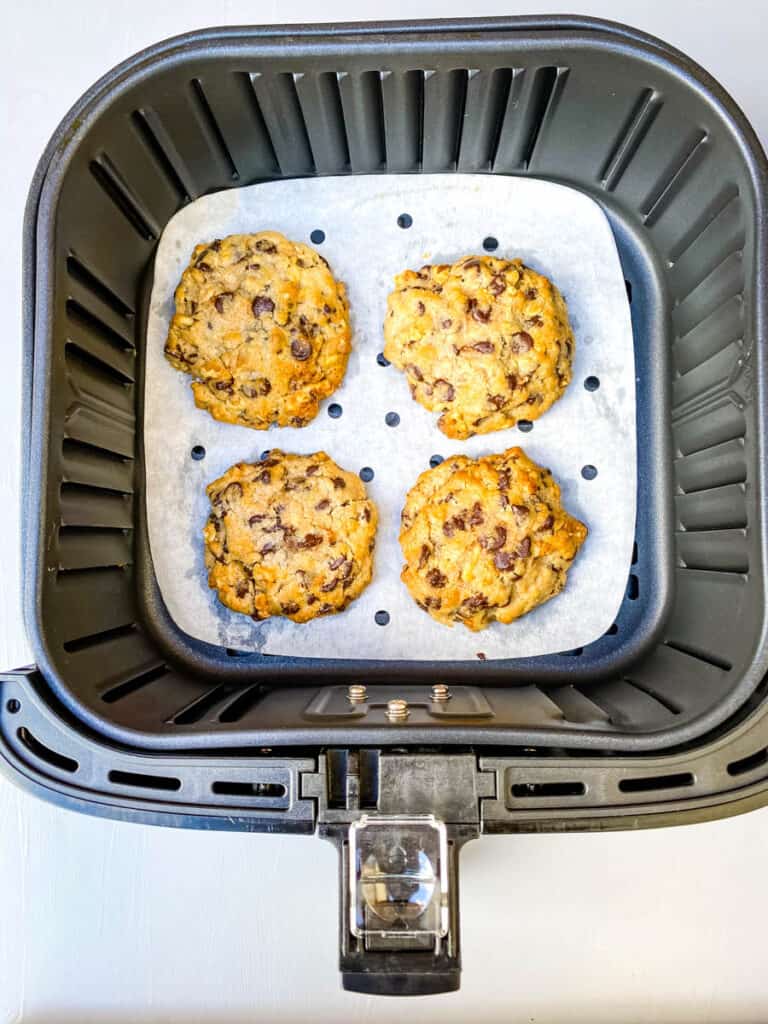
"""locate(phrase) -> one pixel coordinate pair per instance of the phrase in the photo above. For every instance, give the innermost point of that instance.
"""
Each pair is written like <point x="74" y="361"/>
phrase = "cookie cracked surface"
<point x="485" y="341"/>
<point x="486" y="539"/>
<point x="292" y="535"/>
<point x="263" y="327"/>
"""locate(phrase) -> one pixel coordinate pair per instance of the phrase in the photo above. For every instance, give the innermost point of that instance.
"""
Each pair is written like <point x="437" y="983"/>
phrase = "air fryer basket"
<point x="120" y="695"/>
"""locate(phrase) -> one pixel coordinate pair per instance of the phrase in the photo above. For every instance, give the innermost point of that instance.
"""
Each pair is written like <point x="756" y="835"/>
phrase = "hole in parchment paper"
<point x="404" y="220"/>
<point x="592" y="383"/>
<point x="612" y="630"/>
<point x="628" y="286"/>
<point x="525" y="425"/>
<point x="633" y="587"/>
<point x="264" y="455"/>
<point x="13" y="706"/>
<point x="334" y="411"/>
<point x="366" y="474"/>
<point x="588" y="472"/>
<point x="392" y="419"/>
<point x="436" y="460"/>
<point x="490" y="244"/>
<point x="381" y="618"/>
<point x="198" y="452"/>
<point x="317" y="236"/>
<point x="382" y="360"/>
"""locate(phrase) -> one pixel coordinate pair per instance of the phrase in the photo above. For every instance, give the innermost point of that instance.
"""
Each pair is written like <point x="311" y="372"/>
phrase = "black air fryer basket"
<point x="661" y="720"/>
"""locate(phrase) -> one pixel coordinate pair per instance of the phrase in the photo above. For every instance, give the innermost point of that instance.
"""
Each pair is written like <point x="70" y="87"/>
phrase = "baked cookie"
<point x="486" y="539"/>
<point x="486" y="342"/>
<point x="291" y="535"/>
<point x="263" y="327"/>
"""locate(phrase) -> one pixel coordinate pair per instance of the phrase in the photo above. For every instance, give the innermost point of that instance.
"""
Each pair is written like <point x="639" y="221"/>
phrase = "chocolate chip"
<point x="205" y="267"/>
<point x="421" y="308"/>
<point x="424" y="555"/>
<point x="447" y="323"/>
<point x="268" y="548"/>
<point x="481" y="315"/>
<point x="497" y="401"/>
<point x="521" y="342"/>
<point x="436" y="579"/>
<point x="254" y="390"/>
<point x="312" y="599"/>
<point x="524" y="547"/>
<point x="475" y="603"/>
<point x="484" y="346"/>
<point x="262" y="304"/>
<point x="414" y="371"/>
<point x="481" y="656"/>
<point x="289" y="609"/>
<point x="330" y="585"/>
<point x="256" y="519"/>
<point x="242" y="588"/>
<point x="450" y="526"/>
<point x="220" y="300"/>
<point x="311" y="540"/>
<point x="535" y="321"/>
<point x="548" y="523"/>
<point x="223" y="385"/>
<point x="471" y="264"/>
<point x="520" y="511"/>
<point x="433" y="602"/>
<point x="477" y="518"/>
<point x="301" y="349"/>
<point x="264" y="245"/>
<point x="503" y="560"/>
<point x="232" y="492"/>
<point x="367" y="514"/>
<point x="497" y="285"/>
<point x="511" y="381"/>
<point x="311" y="470"/>
<point x="504" y="479"/>
<point x="339" y="483"/>
<point x="253" y="266"/>
<point x="321" y="506"/>
<point x="531" y="294"/>
<point x="327" y="309"/>
<point x="446" y="390"/>
<point x="336" y="562"/>
<point x="325" y="608"/>
<point x="215" y="244"/>
<point x="265" y="477"/>
<point x="497" y="540"/>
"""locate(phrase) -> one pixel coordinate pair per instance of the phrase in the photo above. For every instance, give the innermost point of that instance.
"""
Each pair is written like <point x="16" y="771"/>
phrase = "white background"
<point x="109" y="922"/>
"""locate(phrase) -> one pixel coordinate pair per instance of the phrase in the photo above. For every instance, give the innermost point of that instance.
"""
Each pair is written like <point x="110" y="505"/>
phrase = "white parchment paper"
<point x="554" y="229"/>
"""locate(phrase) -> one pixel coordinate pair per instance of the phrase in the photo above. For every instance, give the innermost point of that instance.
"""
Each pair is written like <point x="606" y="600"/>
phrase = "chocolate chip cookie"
<point x="486" y="342"/>
<point x="263" y="328"/>
<point x="291" y="535"/>
<point x="486" y="539"/>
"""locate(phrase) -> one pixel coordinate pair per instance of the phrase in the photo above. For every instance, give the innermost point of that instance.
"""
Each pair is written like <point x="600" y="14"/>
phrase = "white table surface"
<point x="108" y="922"/>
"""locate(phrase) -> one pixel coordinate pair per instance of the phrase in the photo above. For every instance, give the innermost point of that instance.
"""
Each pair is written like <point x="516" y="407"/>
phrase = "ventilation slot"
<point x="708" y="659"/>
<point x="72" y="447"/>
<point x="107" y="175"/>
<point x="748" y="764"/>
<point x="528" y="790"/>
<point x="260" y="790"/>
<point x="199" y="708"/>
<point x="79" y="316"/>
<point x="83" y="643"/>
<point x="717" y="207"/>
<point x="668" y="705"/>
<point x="501" y="83"/>
<point x="122" y="690"/>
<point x="152" y="134"/>
<point x="101" y="367"/>
<point x="400" y="102"/>
<point x="213" y="128"/>
<point x="651" y="783"/>
<point x="320" y="99"/>
<point x="657" y="200"/>
<point x="541" y="97"/>
<point x="279" y="103"/>
<point x="85" y="277"/>
<point x="51" y="757"/>
<point x="640" y="120"/>
<point x="161" y="782"/>
<point x="240" y="707"/>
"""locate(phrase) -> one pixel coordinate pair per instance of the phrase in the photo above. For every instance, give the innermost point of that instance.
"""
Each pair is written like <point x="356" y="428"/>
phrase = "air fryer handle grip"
<point x="409" y="965"/>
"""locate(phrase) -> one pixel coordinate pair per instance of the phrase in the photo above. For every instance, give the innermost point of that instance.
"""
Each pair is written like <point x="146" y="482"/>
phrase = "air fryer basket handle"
<point x="411" y="962"/>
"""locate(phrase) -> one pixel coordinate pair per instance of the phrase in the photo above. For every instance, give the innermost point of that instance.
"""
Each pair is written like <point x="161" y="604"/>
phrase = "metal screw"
<point x="440" y="693"/>
<point x="397" y="710"/>
<point x="357" y="694"/>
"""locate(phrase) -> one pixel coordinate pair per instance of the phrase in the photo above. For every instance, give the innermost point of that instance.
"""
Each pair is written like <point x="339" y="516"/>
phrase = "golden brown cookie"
<point x="486" y="539"/>
<point x="263" y="327"/>
<point x="291" y="535"/>
<point x="486" y="342"/>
